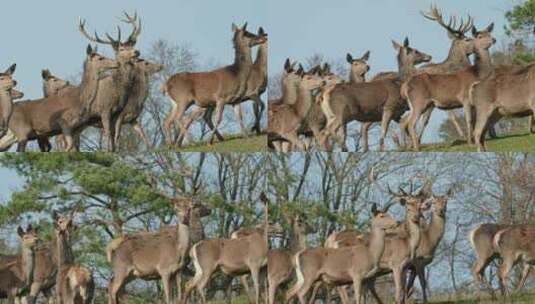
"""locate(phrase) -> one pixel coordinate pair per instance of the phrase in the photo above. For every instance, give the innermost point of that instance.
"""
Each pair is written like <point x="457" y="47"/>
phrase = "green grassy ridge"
<point x="521" y="142"/>
<point x="232" y="143"/>
<point x="523" y="298"/>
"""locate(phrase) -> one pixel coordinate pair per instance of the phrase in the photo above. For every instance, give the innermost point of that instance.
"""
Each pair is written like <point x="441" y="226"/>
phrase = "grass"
<point x="525" y="298"/>
<point x="521" y="142"/>
<point x="232" y="143"/>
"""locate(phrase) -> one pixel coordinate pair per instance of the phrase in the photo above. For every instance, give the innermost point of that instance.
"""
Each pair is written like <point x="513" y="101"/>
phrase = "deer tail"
<point x="497" y="239"/>
<point x="299" y="275"/>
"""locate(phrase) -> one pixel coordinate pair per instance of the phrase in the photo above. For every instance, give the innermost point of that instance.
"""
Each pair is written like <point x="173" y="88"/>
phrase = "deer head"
<point x="359" y="66"/>
<point x="310" y="80"/>
<point x="381" y="219"/>
<point x="483" y="39"/>
<point x="29" y="238"/>
<point x="329" y="77"/>
<point x="6" y="79"/>
<point x="246" y="39"/>
<point x="408" y="56"/>
<point x="185" y="205"/>
<point x="52" y="85"/>
<point x="262" y="34"/>
<point x="148" y="67"/>
<point x="456" y="33"/>
<point x="98" y="62"/>
<point x="124" y="51"/>
<point x="62" y="224"/>
<point x="439" y="203"/>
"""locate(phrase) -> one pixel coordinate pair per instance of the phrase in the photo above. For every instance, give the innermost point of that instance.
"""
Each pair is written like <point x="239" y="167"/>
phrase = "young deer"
<point x="17" y="272"/>
<point x="514" y="245"/>
<point x="237" y="256"/>
<point x="74" y="283"/>
<point x="7" y="83"/>
<point x="280" y="261"/>
<point x="448" y="91"/>
<point x="369" y="101"/>
<point x="149" y="255"/>
<point x="115" y="92"/>
<point x="227" y="85"/>
<point x="57" y="114"/>
<point x="340" y="266"/>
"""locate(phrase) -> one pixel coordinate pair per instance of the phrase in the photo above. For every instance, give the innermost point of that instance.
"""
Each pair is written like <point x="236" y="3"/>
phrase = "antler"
<point x="81" y="28"/>
<point x="136" y="24"/>
<point x="372" y="178"/>
<point x="435" y="15"/>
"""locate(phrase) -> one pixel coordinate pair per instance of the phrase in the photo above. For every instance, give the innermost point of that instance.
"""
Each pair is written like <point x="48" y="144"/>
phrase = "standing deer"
<point x="431" y="235"/>
<point x="7" y="83"/>
<point x="514" y="245"/>
<point x="369" y="101"/>
<point x="340" y="266"/>
<point x="53" y="115"/>
<point x="149" y="255"/>
<point x="74" y="283"/>
<point x="115" y="92"/>
<point x="280" y="261"/>
<point x="17" y="272"/>
<point x="227" y="85"/>
<point x="238" y="256"/>
<point x="448" y="91"/>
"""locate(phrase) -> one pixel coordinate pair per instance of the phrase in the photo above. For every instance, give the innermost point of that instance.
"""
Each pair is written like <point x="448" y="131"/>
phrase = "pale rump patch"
<point x="496" y="239"/>
<point x="198" y="268"/>
<point x="8" y="140"/>
<point x="112" y="246"/>
<point x="471" y="235"/>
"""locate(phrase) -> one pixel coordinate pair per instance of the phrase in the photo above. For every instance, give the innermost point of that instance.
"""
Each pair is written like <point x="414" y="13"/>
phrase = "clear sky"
<point x="300" y="28"/>
<point x="39" y="34"/>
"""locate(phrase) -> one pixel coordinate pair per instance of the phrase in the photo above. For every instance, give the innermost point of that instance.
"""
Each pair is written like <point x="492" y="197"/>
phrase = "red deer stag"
<point x="45" y="117"/>
<point x="115" y="92"/>
<point x="227" y="85"/>
<point x="341" y="266"/>
<point x="152" y="255"/>
<point x="7" y="83"/>
<point x="17" y="271"/>
<point x="448" y="91"/>
<point x="74" y="283"/>
<point x="369" y="101"/>
<point x="238" y="256"/>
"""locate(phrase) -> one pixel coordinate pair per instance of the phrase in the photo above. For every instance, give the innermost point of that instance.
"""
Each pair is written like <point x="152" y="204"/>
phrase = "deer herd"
<point x="316" y="106"/>
<point x="113" y="92"/>
<point x="348" y="258"/>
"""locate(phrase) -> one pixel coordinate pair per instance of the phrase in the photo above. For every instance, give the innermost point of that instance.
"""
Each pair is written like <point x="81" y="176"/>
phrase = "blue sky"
<point x="301" y="28"/>
<point x="44" y="33"/>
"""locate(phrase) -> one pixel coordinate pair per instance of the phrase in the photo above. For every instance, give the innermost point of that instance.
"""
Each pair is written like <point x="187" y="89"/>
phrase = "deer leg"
<point x="364" y="127"/>
<point x="44" y="144"/>
<point x="410" y="283"/>
<point x="482" y="121"/>
<point x="303" y="290"/>
<point x="141" y="134"/>
<point x="258" y="108"/>
<point x="217" y="118"/>
<point x="239" y="118"/>
<point x="21" y="145"/>
<point x="108" y="127"/>
<point x="400" y="284"/>
<point x="342" y="135"/>
<point x="411" y="126"/>
<point x="505" y="267"/>
<point x="424" y="119"/>
<point x="420" y="271"/>
<point x="385" y="122"/>
<point x="315" y="292"/>
<point x="115" y="285"/>
<point x="255" y="275"/>
<point x="342" y="292"/>
<point x="272" y="289"/>
<point x="357" y="287"/>
<point x="118" y="127"/>
<point x="166" y="282"/>
<point x="371" y="287"/>
<point x="294" y="139"/>
<point x="245" y="283"/>
<point x="468" y="116"/>
<point x="530" y="123"/>
<point x="169" y="121"/>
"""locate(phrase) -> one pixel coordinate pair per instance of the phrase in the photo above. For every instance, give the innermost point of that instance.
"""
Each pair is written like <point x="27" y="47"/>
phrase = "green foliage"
<point x="520" y="142"/>
<point x="521" y="18"/>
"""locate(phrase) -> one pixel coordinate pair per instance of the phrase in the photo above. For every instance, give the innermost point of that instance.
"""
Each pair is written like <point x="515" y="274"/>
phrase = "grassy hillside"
<point x="232" y="143"/>
<point x="525" y="298"/>
<point x="512" y="142"/>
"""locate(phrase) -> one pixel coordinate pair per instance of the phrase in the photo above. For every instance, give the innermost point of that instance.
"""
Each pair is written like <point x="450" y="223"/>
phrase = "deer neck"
<point x="304" y="102"/>
<point x="483" y="63"/>
<point x="242" y="60"/>
<point x="63" y="251"/>
<point x="89" y="85"/>
<point x="435" y="231"/>
<point x="457" y="59"/>
<point x="183" y="236"/>
<point x="413" y="228"/>
<point x="261" y="58"/>
<point x="356" y="78"/>
<point x="289" y="94"/>
<point x="297" y="242"/>
<point x="377" y="244"/>
<point x="28" y="263"/>
<point x="6" y="105"/>
<point x="405" y="70"/>
<point x="196" y="229"/>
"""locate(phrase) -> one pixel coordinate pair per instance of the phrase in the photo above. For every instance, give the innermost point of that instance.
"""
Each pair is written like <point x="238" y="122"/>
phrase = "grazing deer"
<point x="514" y="245"/>
<point x="256" y="86"/>
<point x="53" y="115"/>
<point x="237" y="256"/>
<point x="7" y="83"/>
<point x="431" y="235"/>
<point x="149" y="255"/>
<point x="369" y="101"/>
<point x="448" y="91"/>
<point x="340" y="266"/>
<point x="227" y="85"/>
<point x="115" y="92"/>
<point x="285" y="119"/>
<point x="280" y="261"/>
<point x="74" y="283"/>
<point x="17" y="272"/>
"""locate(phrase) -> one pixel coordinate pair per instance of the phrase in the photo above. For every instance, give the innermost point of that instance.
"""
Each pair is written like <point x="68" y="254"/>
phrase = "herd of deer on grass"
<point x="112" y="93"/>
<point x="318" y="105"/>
<point x="348" y="258"/>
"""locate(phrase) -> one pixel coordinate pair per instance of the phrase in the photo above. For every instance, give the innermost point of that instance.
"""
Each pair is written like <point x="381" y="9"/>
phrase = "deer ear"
<point x="55" y="215"/>
<point x="374" y="209"/>
<point x="396" y="45"/>
<point x="300" y="71"/>
<point x="244" y="27"/>
<point x="349" y="58"/>
<point x="287" y="65"/>
<point x="45" y="74"/>
<point x="234" y="27"/>
<point x="452" y="36"/>
<point x="474" y="30"/>
<point x="89" y="50"/>
<point x="490" y="27"/>
<point x="366" y="56"/>
<point x="261" y="31"/>
<point x="406" y="42"/>
<point x="11" y="69"/>
<point x="20" y="231"/>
